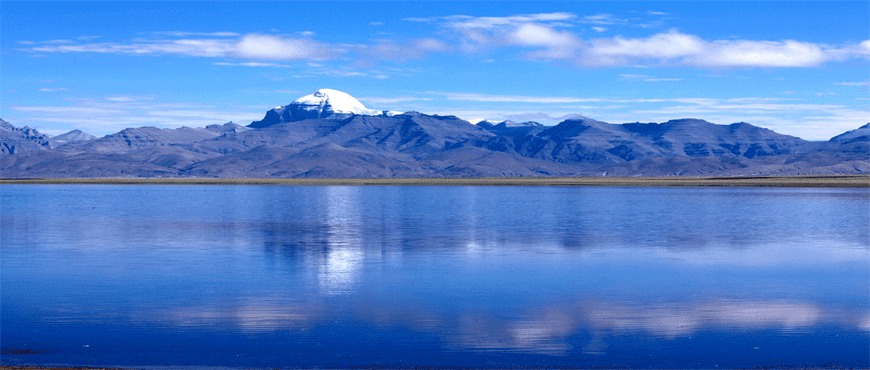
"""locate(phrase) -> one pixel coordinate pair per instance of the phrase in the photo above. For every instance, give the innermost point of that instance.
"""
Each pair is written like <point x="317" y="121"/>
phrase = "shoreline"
<point x="821" y="181"/>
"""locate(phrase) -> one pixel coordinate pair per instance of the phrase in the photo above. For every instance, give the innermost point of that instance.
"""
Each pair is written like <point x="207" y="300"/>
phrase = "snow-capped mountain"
<point x="323" y="103"/>
<point x="331" y="134"/>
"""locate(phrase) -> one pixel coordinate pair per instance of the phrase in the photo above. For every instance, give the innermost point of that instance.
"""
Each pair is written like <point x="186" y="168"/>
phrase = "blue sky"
<point x="796" y="67"/>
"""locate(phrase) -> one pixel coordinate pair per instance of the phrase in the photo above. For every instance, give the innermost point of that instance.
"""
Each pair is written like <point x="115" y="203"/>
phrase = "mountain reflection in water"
<point x="435" y="276"/>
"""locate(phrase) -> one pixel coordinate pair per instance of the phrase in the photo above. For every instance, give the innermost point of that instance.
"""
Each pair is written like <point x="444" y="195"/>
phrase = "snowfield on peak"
<point x="334" y="100"/>
<point x="323" y="103"/>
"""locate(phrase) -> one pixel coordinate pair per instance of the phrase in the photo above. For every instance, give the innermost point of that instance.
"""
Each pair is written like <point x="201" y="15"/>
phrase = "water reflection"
<point x="543" y="330"/>
<point x="339" y="243"/>
<point x="543" y="271"/>
<point x="265" y="314"/>
<point x="339" y="267"/>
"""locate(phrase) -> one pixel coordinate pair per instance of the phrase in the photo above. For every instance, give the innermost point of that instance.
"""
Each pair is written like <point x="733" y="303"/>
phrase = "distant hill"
<point x="74" y="136"/>
<point x="328" y="137"/>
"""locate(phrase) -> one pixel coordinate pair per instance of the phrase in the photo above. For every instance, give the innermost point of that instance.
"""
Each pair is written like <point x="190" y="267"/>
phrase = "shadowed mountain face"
<point x="412" y="144"/>
<point x="855" y="141"/>
<point x="21" y="140"/>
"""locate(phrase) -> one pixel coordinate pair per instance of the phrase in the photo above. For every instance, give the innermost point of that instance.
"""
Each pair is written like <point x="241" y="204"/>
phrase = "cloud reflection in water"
<point x="481" y="270"/>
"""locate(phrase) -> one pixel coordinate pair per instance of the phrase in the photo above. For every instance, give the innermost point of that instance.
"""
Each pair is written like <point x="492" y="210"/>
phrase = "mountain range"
<point x="330" y="134"/>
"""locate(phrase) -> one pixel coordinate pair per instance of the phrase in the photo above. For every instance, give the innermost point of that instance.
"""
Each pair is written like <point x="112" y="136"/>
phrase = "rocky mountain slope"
<point x="320" y="135"/>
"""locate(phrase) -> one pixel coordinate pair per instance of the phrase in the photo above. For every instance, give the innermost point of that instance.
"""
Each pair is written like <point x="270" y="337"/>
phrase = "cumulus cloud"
<point x="552" y="39"/>
<point x="859" y="50"/>
<point x="555" y="44"/>
<point x="663" y="46"/>
<point x="476" y="34"/>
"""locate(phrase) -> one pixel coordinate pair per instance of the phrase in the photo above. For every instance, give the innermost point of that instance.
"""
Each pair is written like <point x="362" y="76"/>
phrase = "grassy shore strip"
<point x="783" y="181"/>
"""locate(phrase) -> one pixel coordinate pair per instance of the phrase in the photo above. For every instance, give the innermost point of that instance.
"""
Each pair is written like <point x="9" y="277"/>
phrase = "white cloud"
<point x="555" y="44"/>
<point x="791" y="116"/>
<point x="189" y="34"/>
<point x="677" y="48"/>
<point x="746" y="53"/>
<point x="476" y="34"/>
<point x="531" y="34"/>
<point x="429" y="45"/>
<point x="646" y="78"/>
<point x="188" y="47"/>
<point x="127" y="98"/>
<point x="250" y="46"/>
<point x="514" y="98"/>
<point x="53" y="89"/>
<point x="67" y="111"/>
<point x="622" y="51"/>
<point x="498" y="22"/>
<point x="252" y="64"/>
<point x="114" y="113"/>
<point x="807" y="121"/>
<point x="602" y="19"/>
<point x="257" y="46"/>
<point x="377" y="100"/>
<point x="541" y="36"/>
<point x="853" y="83"/>
<point x="545" y="31"/>
<point x="400" y="51"/>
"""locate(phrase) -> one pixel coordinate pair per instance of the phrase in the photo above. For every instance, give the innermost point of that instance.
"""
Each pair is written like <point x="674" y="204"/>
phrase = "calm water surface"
<point x="339" y="276"/>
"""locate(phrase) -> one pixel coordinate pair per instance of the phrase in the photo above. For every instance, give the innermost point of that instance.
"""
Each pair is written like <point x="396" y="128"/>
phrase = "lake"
<point x="400" y="276"/>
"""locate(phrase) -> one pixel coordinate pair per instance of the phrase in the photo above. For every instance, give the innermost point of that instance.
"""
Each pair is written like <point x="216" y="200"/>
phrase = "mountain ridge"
<point x="349" y="140"/>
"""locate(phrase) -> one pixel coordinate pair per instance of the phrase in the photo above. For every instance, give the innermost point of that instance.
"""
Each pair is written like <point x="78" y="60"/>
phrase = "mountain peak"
<point x="337" y="101"/>
<point x="322" y="103"/>
<point x="73" y="136"/>
<point x="326" y="102"/>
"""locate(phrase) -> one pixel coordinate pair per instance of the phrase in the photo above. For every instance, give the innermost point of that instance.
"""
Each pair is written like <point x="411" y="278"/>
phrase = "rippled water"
<point x="337" y="276"/>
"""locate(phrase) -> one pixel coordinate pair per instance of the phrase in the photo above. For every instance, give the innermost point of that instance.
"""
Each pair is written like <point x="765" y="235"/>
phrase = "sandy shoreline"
<point x="765" y="181"/>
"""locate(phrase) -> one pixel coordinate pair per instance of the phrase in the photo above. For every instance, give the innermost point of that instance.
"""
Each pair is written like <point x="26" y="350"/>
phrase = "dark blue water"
<point x="335" y="276"/>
